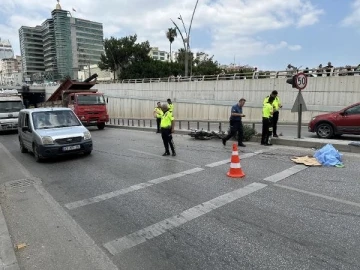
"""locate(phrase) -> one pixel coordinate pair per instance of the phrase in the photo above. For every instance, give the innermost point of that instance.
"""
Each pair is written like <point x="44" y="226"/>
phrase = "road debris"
<point x="306" y="160"/>
<point x="329" y="156"/>
<point x="20" y="246"/>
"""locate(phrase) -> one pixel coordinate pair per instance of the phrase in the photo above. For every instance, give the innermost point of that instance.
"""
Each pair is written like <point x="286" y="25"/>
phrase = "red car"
<point x="345" y="121"/>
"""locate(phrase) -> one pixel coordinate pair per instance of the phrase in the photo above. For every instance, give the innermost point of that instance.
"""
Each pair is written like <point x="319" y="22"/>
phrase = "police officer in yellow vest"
<point x="268" y="110"/>
<point x="158" y="113"/>
<point x="167" y="129"/>
<point x="170" y="105"/>
<point x="277" y="105"/>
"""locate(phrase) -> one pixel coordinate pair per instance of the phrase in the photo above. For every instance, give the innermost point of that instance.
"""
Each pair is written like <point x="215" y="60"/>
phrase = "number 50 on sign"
<point x="300" y="81"/>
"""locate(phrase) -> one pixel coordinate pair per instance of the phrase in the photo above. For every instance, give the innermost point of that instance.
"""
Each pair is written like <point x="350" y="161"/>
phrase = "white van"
<point x="50" y="132"/>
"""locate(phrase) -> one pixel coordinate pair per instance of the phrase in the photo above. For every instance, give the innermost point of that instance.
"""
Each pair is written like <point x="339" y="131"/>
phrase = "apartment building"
<point x="60" y="47"/>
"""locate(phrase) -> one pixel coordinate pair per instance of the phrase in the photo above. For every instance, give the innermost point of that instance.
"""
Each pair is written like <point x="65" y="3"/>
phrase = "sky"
<point x="268" y="34"/>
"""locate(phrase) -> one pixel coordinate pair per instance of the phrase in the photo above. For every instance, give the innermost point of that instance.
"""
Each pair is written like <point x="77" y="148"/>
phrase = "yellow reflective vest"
<point x="159" y="112"/>
<point x="171" y="107"/>
<point x="166" y="120"/>
<point x="267" y="110"/>
<point x="276" y="103"/>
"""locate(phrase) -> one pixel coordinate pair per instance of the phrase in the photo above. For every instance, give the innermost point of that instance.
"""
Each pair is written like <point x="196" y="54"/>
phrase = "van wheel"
<point x="101" y="126"/>
<point x="324" y="130"/>
<point x="36" y="153"/>
<point x="22" y="147"/>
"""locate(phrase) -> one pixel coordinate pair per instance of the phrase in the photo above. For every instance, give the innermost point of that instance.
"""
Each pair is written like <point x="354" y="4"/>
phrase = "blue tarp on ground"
<point x="328" y="156"/>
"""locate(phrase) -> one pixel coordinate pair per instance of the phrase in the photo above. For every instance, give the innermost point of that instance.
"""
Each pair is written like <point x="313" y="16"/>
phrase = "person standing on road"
<point x="170" y="105"/>
<point x="277" y="105"/>
<point x="167" y="129"/>
<point x="158" y="113"/>
<point x="267" y="114"/>
<point x="236" y="123"/>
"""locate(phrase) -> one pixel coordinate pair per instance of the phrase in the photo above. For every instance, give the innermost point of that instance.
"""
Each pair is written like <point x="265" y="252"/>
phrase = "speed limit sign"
<point x="300" y="81"/>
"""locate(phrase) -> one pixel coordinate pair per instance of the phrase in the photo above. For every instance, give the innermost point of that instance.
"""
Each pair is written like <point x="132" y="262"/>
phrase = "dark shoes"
<point x="266" y="144"/>
<point x="168" y="154"/>
<point x="275" y="135"/>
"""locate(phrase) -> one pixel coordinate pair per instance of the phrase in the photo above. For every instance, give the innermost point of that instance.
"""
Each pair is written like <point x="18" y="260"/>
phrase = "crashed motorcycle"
<point x="206" y="135"/>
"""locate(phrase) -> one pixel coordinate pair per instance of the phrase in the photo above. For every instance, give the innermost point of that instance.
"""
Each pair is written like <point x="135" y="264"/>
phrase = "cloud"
<point x="231" y="26"/>
<point x="353" y="19"/>
<point x="308" y="15"/>
<point x="294" y="47"/>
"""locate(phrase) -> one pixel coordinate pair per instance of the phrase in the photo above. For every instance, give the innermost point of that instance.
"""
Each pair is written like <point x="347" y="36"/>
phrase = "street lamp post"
<point x="186" y="40"/>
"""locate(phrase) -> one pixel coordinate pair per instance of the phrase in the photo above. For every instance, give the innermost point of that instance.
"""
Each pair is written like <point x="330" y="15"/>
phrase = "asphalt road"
<point x="146" y="211"/>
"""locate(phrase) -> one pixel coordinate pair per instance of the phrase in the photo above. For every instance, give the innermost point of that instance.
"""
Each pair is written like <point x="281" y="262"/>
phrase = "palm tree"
<point x="171" y="34"/>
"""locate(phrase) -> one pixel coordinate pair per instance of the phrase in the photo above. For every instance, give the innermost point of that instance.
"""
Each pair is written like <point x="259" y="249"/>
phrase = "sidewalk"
<point x="43" y="234"/>
<point x="341" y="145"/>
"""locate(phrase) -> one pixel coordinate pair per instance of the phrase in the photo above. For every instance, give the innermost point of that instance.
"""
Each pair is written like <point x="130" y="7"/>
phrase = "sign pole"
<point x="300" y="82"/>
<point x="299" y="119"/>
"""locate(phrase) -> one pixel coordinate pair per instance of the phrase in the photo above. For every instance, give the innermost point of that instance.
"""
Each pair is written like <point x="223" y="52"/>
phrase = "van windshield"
<point x="54" y="119"/>
<point x="10" y="106"/>
<point x="90" y="100"/>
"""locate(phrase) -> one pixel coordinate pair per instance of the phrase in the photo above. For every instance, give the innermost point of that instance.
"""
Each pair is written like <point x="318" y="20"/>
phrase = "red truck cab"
<point x="88" y="105"/>
<point x="90" y="108"/>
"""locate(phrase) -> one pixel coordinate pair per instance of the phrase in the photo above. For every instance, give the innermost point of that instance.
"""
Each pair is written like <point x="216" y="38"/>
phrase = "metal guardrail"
<point x="260" y="74"/>
<point x="179" y="124"/>
<point x="340" y="71"/>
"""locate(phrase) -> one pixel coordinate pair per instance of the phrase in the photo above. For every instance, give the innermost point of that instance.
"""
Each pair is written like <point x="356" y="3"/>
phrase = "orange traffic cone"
<point x="235" y="167"/>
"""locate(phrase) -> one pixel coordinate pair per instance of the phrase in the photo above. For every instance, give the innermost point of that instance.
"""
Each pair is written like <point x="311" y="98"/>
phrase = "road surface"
<point x="145" y="211"/>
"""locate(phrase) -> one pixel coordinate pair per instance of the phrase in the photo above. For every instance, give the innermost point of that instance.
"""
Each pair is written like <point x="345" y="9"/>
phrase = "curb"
<point x="303" y="143"/>
<point x="8" y="259"/>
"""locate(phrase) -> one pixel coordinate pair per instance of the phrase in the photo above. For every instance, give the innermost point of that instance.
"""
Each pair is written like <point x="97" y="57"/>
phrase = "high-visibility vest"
<point x="171" y="107"/>
<point x="267" y="110"/>
<point x="166" y="120"/>
<point x="159" y="112"/>
<point x="276" y="103"/>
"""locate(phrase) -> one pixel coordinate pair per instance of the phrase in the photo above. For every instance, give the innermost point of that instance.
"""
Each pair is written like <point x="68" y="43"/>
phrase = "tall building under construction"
<point x="60" y="47"/>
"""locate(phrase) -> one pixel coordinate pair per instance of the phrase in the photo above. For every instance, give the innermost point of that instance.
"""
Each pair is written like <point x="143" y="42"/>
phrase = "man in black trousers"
<point x="236" y="123"/>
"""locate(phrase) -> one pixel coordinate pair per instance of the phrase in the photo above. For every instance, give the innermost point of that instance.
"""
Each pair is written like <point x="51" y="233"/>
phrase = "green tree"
<point x="121" y="53"/>
<point x="181" y="57"/>
<point x="171" y="34"/>
<point x="151" y="69"/>
<point x="205" y="65"/>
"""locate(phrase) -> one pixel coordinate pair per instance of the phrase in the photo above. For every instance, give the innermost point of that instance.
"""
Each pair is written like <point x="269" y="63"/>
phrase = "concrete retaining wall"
<point x="211" y="100"/>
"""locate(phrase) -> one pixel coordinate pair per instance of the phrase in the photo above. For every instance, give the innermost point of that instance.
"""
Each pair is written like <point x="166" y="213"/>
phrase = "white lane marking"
<point x="123" y="191"/>
<point x="226" y="161"/>
<point x="285" y="174"/>
<point x="319" y="195"/>
<point x="152" y="231"/>
<point x="96" y="255"/>
<point x="162" y="157"/>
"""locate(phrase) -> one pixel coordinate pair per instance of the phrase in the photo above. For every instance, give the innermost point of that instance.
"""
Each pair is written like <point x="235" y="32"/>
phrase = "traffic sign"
<point x="299" y="100"/>
<point x="300" y="81"/>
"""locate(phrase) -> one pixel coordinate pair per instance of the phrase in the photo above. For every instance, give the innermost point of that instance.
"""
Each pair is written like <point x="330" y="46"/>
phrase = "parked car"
<point x="51" y="132"/>
<point x="345" y="121"/>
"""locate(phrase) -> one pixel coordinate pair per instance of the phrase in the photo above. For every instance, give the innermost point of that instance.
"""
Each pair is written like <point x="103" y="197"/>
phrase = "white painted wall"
<point x="212" y="100"/>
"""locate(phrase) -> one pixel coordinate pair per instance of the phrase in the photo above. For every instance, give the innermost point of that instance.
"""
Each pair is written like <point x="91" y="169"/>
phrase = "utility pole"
<point x="186" y="40"/>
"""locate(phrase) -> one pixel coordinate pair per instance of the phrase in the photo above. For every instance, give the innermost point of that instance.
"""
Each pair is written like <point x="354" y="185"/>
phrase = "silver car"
<point x="50" y="132"/>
